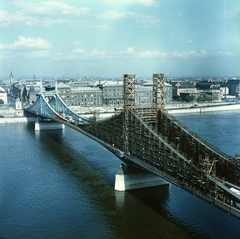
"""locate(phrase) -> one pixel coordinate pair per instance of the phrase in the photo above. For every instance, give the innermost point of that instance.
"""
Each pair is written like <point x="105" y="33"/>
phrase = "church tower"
<point x="11" y="78"/>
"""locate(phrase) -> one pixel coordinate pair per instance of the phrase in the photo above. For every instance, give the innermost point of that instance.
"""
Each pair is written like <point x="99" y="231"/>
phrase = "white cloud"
<point x="76" y="43"/>
<point x="97" y="54"/>
<point x="226" y="53"/>
<point x="24" y="43"/>
<point x="50" y="8"/>
<point x="78" y="51"/>
<point x="152" y="54"/>
<point x="188" y="54"/>
<point x="45" y="13"/>
<point x="35" y="54"/>
<point x="146" y="3"/>
<point x="25" y="47"/>
<point x="117" y="15"/>
<point x="7" y="18"/>
<point x="129" y="51"/>
<point x="189" y="41"/>
<point x="49" y="13"/>
<point x="143" y="20"/>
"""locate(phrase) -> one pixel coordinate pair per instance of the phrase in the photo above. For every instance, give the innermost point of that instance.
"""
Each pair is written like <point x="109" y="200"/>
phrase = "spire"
<point x="11" y="78"/>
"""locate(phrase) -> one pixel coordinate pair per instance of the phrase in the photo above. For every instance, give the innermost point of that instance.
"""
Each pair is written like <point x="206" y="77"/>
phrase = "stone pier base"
<point x="127" y="179"/>
<point x="48" y="125"/>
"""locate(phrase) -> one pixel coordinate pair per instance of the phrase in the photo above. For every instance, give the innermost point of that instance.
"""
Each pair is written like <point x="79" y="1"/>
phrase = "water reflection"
<point x="154" y="197"/>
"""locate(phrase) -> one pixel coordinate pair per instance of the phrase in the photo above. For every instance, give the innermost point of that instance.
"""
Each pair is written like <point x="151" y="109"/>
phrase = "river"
<point x="60" y="184"/>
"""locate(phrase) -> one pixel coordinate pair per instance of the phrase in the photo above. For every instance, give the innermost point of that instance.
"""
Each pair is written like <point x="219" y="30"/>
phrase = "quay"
<point x="17" y="119"/>
<point x="179" y="108"/>
<point x="202" y="108"/>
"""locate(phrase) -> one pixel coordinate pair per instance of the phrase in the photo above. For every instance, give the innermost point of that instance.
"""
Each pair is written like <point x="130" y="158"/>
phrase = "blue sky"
<point x="108" y="38"/>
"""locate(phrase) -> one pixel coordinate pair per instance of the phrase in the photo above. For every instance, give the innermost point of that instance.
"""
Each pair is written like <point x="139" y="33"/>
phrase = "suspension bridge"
<point x="151" y="139"/>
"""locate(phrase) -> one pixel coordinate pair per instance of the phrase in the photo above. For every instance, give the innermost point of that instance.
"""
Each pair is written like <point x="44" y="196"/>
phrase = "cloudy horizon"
<point x="108" y="38"/>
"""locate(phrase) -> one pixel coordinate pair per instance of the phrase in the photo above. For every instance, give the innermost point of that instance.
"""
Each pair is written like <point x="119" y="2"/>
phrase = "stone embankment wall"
<point x="202" y="109"/>
<point x="7" y="120"/>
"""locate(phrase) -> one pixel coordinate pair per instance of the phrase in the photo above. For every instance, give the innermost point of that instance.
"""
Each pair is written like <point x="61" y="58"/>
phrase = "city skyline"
<point x="108" y="38"/>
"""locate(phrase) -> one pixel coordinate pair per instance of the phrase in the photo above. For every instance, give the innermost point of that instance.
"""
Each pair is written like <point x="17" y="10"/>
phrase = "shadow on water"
<point x="157" y="199"/>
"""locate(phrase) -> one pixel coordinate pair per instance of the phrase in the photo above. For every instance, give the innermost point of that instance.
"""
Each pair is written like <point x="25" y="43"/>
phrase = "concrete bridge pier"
<point x="131" y="178"/>
<point x="48" y="125"/>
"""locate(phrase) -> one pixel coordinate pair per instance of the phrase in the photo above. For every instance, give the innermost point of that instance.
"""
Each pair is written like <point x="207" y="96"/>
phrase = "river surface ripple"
<point x="60" y="184"/>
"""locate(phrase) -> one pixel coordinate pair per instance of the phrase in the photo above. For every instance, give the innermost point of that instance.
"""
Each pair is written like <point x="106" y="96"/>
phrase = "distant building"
<point x="80" y="96"/>
<point x="32" y="95"/>
<point x="189" y="94"/>
<point x="112" y="93"/>
<point x="107" y="93"/>
<point x="234" y="87"/>
<point x="11" y="78"/>
<point x="179" y="86"/>
<point x="215" y="95"/>
<point x="3" y="96"/>
<point x="18" y="107"/>
<point x="144" y="95"/>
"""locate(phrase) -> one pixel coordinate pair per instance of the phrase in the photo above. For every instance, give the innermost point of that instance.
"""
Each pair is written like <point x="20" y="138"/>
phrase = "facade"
<point x="32" y="95"/>
<point x="112" y="93"/>
<point x="186" y="94"/>
<point x="18" y="107"/>
<point x="215" y="95"/>
<point x="144" y="95"/>
<point x="181" y="86"/>
<point x="234" y="87"/>
<point x="107" y="93"/>
<point x="80" y="96"/>
<point x="168" y="92"/>
<point x="3" y="95"/>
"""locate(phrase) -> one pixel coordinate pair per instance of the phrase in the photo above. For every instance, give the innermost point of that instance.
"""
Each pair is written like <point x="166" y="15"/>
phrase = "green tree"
<point x="192" y="98"/>
<point x="1" y="101"/>
<point x="204" y="98"/>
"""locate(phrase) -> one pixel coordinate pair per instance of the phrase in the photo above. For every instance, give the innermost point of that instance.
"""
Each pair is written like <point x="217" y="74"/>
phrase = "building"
<point x="112" y="93"/>
<point x="179" y="86"/>
<point x="3" y="96"/>
<point x="144" y="95"/>
<point x="18" y="108"/>
<point x="234" y="87"/>
<point x="32" y="95"/>
<point x="74" y="95"/>
<point x="189" y="95"/>
<point x="214" y="95"/>
<point x="107" y="93"/>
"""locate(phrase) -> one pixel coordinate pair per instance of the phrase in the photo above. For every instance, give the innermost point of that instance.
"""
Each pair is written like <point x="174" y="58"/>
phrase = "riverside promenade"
<point x="16" y="119"/>
<point x="178" y="108"/>
<point x="201" y="108"/>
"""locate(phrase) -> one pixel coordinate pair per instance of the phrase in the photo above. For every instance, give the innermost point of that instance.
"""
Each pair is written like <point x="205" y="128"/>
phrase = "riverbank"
<point x="20" y="119"/>
<point x="170" y="108"/>
<point x="204" y="108"/>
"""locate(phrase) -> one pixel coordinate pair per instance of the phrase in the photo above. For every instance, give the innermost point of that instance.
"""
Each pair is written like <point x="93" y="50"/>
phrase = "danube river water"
<point x="60" y="184"/>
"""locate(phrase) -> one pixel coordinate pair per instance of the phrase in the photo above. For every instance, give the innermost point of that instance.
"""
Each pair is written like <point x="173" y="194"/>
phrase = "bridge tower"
<point x="131" y="177"/>
<point x="158" y="91"/>
<point x="129" y="92"/>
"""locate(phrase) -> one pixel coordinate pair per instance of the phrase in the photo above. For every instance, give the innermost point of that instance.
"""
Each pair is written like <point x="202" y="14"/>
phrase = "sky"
<point x="109" y="38"/>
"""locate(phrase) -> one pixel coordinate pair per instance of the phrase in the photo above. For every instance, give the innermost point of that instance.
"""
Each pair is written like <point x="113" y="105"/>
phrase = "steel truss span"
<point x="152" y="139"/>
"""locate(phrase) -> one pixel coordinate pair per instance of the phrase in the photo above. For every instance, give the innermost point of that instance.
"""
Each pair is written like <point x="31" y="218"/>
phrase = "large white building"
<point x="107" y="93"/>
<point x="3" y="95"/>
